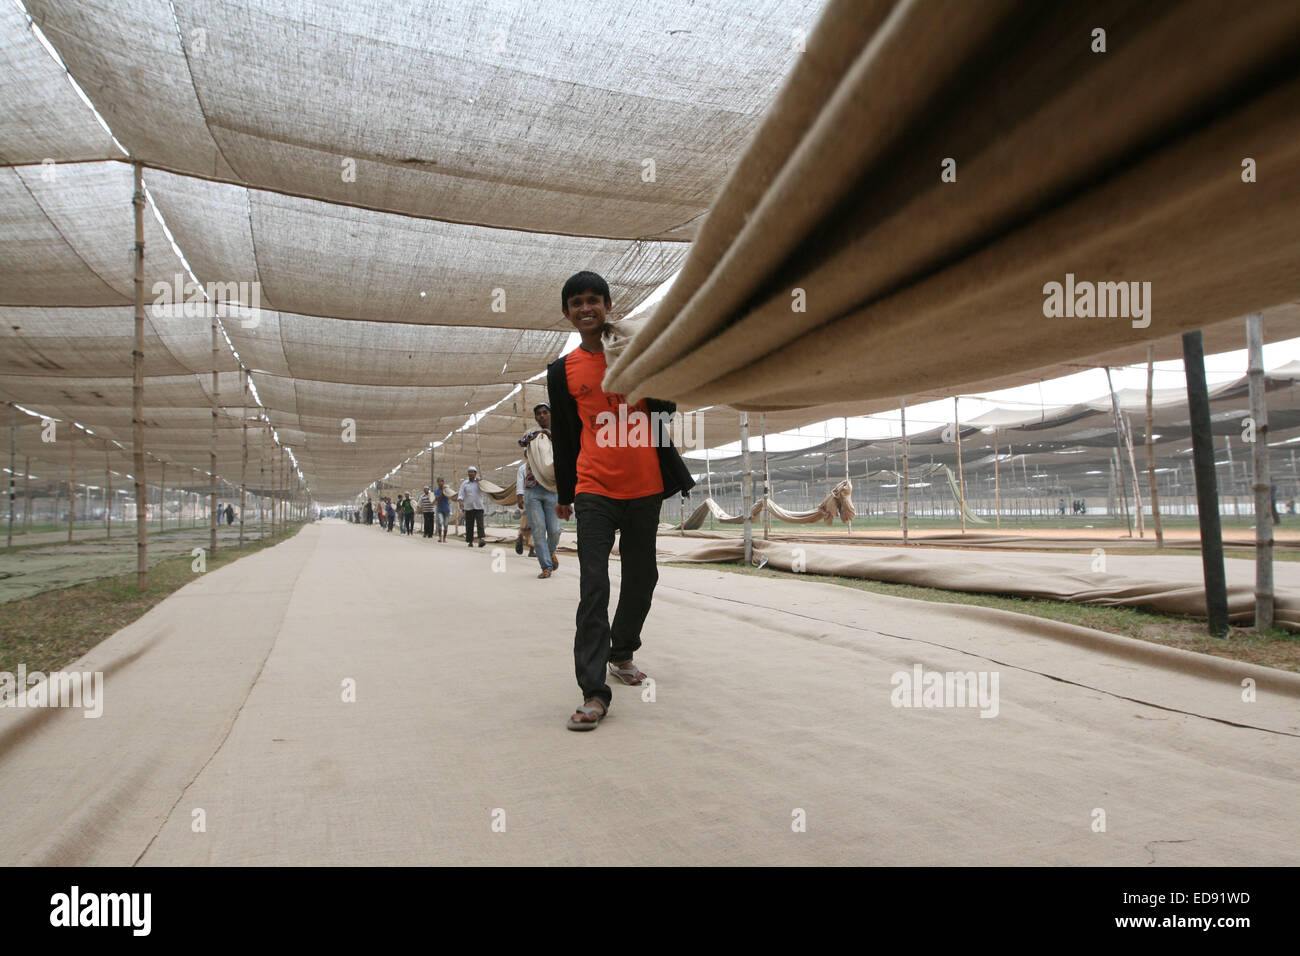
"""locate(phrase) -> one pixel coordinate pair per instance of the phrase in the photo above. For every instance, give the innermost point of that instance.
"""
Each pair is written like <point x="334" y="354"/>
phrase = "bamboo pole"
<point x="708" y="481"/>
<point x="898" y="483"/>
<point x="137" y="391"/>
<point x="997" y="490"/>
<point x="212" y="450"/>
<point x="767" y="479"/>
<point x="1132" y="464"/>
<point x="162" y="495"/>
<point x="1232" y="476"/>
<point x="261" y="485"/>
<point x="72" y="477"/>
<point x="27" y="493"/>
<point x="273" y="471"/>
<point x="13" y="463"/>
<point x="1263" y="486"/>
<point x="846" y="459"/>
<point x="1119" y="433"/>
<point x="108" y="494"/>
<point x="747" y="495"/>
<point x="243" y="464"/>
<point x="904" y="480"/>
<point x="961" y="480"/>
<point x="1151" y="449"/>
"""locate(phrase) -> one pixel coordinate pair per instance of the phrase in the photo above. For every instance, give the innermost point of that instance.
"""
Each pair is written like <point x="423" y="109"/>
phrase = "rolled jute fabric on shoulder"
<point x="541" y="461"/>
<point x="506" y="497"/>
<point x="898" y="219"/>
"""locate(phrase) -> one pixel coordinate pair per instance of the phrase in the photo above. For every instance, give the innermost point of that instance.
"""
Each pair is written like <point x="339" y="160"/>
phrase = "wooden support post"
<point x="1151" y="449"/>
<point x="997" y="489"/>
<point x="846" y="459"/>
<point x="748" y="492"/>
<point x="108" y="494"/>
<point x="1119" y="440"/>
<point x="904" y="480"/>
<point x="243" y="464"/>
<point x="1207" y="490"/>
<point x="13" y="464"/>
<point x="162" y="494"/>
<point x="261" y="486"/>
<point x="137" y="392"/>
<point x="1132" y="463"/>
<point x="767" y="480"/>
<point x="961" y="480"/>
<point x="708" y="481"/>
<point x="212" y="450"/>
<point x="1263" y="485"/>
<point x="72" y="477"/>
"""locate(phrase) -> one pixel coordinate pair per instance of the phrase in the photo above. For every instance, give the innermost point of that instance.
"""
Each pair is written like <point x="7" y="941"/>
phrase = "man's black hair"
<point x="581" y="282"/>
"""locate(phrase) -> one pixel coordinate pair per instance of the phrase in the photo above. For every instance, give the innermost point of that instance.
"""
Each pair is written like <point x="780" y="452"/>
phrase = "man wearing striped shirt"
<point x="424" y="505"/>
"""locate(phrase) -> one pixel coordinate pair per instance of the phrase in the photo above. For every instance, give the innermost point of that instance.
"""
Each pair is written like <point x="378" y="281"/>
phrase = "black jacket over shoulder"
<point x="566" y="438"/>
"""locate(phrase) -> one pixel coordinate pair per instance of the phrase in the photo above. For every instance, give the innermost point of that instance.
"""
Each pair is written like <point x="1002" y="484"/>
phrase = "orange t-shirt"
<point x="618" y="458"/>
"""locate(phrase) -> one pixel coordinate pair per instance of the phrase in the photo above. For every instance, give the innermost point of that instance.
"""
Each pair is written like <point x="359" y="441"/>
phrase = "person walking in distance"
<point x="424" y="504"/>
<point x="470" y="497"/>
<point x="614" y="479"/>
<point x="442" y="505"/>
<point x="539" y="489"/>
<point x="525" y="535"/>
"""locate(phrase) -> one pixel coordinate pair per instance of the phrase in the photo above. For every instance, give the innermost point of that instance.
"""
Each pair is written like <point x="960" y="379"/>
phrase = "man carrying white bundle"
<point x="539" y="490"/>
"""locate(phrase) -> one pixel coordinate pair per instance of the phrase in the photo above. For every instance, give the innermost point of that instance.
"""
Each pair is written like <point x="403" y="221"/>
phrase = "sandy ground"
<point x="774" y="735"/>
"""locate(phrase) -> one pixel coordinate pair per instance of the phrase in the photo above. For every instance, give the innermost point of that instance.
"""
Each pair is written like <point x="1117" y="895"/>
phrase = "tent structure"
<point x="301" y="252"/>
<point x="1043" y="455"/>
<point x="382" y="262"/>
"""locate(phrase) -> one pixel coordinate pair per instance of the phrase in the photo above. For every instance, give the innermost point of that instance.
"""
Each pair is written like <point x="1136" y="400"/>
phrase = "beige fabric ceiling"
<point x="495" y="151"/>
<point x="496" y="113"/>
<point x="497" y="147"/>
<point x="1124" y="165"/>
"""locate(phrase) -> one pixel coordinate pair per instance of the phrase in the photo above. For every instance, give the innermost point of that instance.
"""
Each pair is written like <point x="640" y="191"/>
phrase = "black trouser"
<point x="595" y="643"/>
<point x="476" y="514"/>
<point x="428" y="524"/>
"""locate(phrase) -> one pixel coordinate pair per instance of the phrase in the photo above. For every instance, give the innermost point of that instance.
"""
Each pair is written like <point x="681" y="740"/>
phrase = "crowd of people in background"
<point x="434" y="507"/>
<point x="539" y="526"/>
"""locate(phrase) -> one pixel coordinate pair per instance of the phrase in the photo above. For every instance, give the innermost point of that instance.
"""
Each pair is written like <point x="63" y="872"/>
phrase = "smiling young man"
<point x="614" y="479"/>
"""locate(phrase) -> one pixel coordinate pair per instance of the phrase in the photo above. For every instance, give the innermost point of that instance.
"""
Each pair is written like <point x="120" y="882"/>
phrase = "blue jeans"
<point x="540" y="505"/>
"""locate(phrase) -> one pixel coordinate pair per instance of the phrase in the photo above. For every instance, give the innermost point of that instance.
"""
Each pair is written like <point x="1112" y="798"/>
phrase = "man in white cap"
<point x="470" y="497"/>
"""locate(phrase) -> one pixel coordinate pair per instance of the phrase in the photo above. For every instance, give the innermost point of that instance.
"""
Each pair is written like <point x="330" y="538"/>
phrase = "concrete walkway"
<point x="773" y="736"/>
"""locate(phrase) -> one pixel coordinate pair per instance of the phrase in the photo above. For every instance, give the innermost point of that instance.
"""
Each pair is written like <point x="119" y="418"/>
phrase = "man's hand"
<point x="564" y="512"/>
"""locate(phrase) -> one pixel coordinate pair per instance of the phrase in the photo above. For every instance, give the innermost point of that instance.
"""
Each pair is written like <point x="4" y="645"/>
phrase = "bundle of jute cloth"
<point x="837" y="504"/>
<point x="541" y="461"/>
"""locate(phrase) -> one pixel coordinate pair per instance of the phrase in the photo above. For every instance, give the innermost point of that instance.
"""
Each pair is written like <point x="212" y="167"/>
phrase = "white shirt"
<point x="519" y="480"/>
<point x="470" y="495"/>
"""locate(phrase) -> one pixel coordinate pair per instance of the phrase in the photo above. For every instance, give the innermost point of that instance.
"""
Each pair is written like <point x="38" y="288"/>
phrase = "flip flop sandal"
<point x="628" y="675"/>
<point x="544" y="574"/>
<point x="599" y="710"/>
